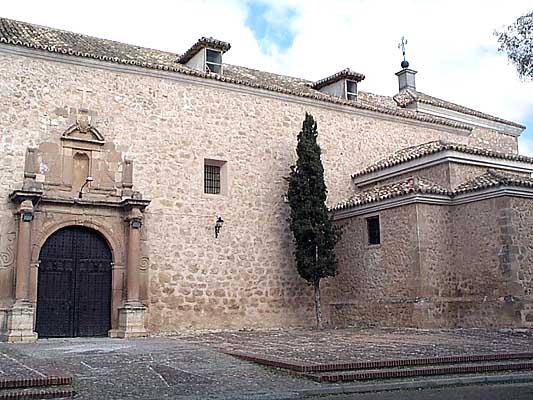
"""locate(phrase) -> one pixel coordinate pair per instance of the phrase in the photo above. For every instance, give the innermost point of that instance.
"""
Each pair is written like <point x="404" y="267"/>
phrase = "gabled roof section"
<point x="202" y="43"/>
<point x="416" y="185"/>
<point x="408" y="97"/>
<point x="493" y="178"/>
<point x="426" y="149"/>
<point x="396" y="189"/>
<point x="57" y="41"/>
<point x="344" y="74"/>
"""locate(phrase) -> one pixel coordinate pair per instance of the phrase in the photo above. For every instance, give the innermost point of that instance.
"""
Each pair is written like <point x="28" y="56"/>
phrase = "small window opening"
<point x="213" y="61"/>
<point x="211" y="179"/>
<point x="351" y="90"/>
<point x="374" y="235"/>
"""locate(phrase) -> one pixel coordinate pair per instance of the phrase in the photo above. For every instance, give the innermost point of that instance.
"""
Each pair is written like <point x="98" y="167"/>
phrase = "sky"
<point x="450" y="43"/>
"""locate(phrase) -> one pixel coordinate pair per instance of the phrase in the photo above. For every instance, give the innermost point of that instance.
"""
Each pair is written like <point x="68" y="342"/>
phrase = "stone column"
<point x="20" y="317"/>
<point x="131" y="315"/>
<point x="133" y="265"/>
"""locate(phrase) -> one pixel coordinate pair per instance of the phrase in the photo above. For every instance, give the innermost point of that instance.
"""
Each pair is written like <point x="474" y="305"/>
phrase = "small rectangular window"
<point x="213" y="61"/>
<point x="374" y="235"/>
<point x="211" y="179"/>
<point x="351" y="90"/>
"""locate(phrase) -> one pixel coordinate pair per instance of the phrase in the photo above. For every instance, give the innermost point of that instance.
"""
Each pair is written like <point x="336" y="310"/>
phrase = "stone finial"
<point x="30" y="163"/>
<point x="127" y="174"/>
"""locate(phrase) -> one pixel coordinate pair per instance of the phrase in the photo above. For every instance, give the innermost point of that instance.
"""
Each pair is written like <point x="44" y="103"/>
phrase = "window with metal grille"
<point x="374" y="235"/>
<point x="211" y="179"/>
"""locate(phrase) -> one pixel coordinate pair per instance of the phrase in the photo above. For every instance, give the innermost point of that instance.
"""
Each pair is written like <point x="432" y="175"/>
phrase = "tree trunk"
<point x="318" y="310"/>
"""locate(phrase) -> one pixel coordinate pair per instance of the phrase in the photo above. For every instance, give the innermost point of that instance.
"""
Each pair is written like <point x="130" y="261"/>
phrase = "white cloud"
<point x="450" y="43"/>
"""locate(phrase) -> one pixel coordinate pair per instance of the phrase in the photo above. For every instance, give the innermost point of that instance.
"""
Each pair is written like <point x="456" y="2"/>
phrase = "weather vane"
<point x="401" y="46"/>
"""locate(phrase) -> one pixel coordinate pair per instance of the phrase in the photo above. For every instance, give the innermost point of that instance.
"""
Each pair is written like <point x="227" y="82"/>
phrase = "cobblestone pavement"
<point x="191" y="367"/>
<point x="369" y="344"/>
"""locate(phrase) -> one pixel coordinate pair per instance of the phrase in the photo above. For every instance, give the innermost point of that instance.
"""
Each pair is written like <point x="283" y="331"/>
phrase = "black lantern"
<point x="218" y="225"/>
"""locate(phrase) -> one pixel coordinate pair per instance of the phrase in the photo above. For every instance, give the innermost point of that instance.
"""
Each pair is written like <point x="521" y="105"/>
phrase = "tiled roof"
<point x="73" y="44"/>
<point x="344" y="74"/>
<point x="426" y="149"/>
<point x="491" y="178"/>
<point x="201" y="43"/>
<point x="396" y="189"/>
<point x="409" y="96"/>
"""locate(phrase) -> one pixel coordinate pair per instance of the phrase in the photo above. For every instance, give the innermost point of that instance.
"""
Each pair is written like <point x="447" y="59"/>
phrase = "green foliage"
<point x="310" y="221"/>
<point x="517" y="42"/>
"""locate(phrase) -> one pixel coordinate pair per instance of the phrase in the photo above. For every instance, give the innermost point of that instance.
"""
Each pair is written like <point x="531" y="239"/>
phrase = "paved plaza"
<point x="194" y="367"/>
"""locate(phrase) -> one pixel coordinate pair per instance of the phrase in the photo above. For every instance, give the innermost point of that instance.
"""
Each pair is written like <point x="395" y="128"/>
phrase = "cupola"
<point x="343" y="84"/>
<point x="205" y="55"/>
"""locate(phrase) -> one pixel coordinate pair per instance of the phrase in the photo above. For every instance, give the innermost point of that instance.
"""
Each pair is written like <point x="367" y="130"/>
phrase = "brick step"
<point x="18" y="383"/>
<point x="33" y="394"/>
<point x="410" y="371"/>
<point x="306" y="367"/>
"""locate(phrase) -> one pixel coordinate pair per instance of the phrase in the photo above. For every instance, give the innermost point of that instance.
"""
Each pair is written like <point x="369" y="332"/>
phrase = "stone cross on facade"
<point x="83" y="119"/>
<point x="84" y="91"/>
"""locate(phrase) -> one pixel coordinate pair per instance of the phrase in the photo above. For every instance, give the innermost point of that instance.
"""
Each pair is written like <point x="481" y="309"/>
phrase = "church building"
<point x="142" y="192"/>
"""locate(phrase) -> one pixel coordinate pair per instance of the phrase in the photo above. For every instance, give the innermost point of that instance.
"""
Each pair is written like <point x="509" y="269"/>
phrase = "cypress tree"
<point x="312" y="226"/>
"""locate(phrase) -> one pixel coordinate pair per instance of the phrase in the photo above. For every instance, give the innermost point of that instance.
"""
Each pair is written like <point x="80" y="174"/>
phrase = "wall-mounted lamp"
<point x="87" y="180"/>
<point x="27" y="216"/>
<point x="136" y="223"/>
<point x="218" y="225"/>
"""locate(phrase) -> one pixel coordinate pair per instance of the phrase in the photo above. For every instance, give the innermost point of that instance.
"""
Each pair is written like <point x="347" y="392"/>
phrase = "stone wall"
<point x="376" y="284"/>
<point x="246" y="277"/>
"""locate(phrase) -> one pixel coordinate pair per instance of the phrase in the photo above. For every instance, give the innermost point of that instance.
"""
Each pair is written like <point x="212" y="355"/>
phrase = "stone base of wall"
<point x="372" y="314"/>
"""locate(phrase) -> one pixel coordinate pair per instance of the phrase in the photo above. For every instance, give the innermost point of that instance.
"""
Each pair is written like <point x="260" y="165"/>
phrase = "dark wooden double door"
<point x="74" y="285"/>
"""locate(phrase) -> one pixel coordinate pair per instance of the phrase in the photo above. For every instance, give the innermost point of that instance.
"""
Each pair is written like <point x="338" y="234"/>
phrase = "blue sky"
<point x="455" y="53"/>
<point x="270" y="25"/>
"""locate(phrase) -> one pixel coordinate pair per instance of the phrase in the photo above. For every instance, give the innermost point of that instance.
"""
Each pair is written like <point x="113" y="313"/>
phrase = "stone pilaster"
<point x="131" y="315"/>
<point x="21" y="316"/>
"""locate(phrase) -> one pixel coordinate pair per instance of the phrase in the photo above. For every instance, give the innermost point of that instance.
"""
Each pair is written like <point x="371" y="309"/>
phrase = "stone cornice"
<point x="439" y="158"/>
<point x="39" y="197"/>
<point x="160" y="74"/>
<point x="425" y="198"/>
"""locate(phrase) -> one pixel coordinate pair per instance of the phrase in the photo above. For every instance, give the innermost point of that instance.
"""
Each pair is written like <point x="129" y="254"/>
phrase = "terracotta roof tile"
<point x="491" y="178"/>
<point x="73" y="44"/>
<point x="344" y="74"/>
<point x="408" y="96"/>
<point x="426" y="149"/>
<point x="201" y="43"/>
<point x="396" y="189"/>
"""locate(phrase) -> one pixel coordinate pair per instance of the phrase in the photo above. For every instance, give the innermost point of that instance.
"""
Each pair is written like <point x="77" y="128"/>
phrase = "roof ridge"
<point x="416" y="95"/>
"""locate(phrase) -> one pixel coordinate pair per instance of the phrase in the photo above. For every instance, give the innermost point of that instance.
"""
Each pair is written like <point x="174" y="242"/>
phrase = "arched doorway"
<point x="74" y="284"/>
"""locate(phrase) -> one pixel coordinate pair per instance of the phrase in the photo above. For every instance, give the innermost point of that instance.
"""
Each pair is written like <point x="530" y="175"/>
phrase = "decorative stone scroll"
<point x="7" y="257"/>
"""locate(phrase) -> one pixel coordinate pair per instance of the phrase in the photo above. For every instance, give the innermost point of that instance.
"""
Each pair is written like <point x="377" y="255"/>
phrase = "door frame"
<point x="74" y="296"/>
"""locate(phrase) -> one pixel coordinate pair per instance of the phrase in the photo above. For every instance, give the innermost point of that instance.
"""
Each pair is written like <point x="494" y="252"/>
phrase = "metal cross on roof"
<point x="401" y="46"/>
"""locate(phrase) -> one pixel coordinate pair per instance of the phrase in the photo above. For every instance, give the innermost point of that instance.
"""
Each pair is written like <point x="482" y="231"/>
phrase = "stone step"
<point x="17" y="383"/>
<point x="308" y="367"/>
<point x="410" y="372"/>
<point x="33" y="394"/>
